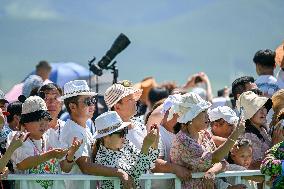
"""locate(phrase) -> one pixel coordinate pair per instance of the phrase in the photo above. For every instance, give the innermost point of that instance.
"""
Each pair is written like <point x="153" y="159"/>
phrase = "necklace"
<point x="42" y="145"/>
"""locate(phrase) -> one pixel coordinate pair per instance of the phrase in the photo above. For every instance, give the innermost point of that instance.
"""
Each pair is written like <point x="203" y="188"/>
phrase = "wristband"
<point x="68" y="161"/>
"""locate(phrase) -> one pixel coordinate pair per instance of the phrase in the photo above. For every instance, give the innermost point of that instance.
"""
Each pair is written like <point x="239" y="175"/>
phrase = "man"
<point x="123" y="98"/>
<point x="80" y="103"/>
<point x="51" y="94"/>
<point x="242" y="84"/>
<point x="223" y="121"/>
<point x="43" y="69"/>
<point x="265" y="64"/>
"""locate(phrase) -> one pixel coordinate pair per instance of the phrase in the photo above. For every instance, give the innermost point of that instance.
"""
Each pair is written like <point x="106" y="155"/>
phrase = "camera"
<point x="120" y="43"/>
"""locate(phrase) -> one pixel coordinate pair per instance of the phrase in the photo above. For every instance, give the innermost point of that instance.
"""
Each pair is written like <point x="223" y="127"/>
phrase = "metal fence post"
<point x="116" y="184"/>
<point x="177" y="183"/>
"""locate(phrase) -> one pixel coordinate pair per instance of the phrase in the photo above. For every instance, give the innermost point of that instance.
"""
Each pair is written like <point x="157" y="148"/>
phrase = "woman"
<point x="115" y="151"/>
<point x="193" y="147"/>
<point x="255" y="112"/>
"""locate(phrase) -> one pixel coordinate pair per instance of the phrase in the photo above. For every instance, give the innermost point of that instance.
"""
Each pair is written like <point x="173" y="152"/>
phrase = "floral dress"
<point x="129" y="159"/>
<point x="272" y="165"/>
<point x="188" y="153"/>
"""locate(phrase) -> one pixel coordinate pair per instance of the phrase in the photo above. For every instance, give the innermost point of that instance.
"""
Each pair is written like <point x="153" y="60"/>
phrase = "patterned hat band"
<point x="78" y="91"/>
<point x="113" y="127"/>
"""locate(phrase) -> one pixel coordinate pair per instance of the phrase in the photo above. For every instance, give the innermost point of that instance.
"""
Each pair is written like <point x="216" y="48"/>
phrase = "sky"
<point x="170" y="40"/>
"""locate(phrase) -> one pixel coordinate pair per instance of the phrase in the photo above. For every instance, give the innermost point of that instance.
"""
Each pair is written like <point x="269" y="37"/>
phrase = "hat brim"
<point x="78" y="94"/>
<point x="261" y="101"/>
<point x="136" y="92"/>
<point x="123" y="125"/>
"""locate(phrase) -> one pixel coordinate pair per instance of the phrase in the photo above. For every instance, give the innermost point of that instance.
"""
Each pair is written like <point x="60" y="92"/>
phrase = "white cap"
<point x="225" y="113"/>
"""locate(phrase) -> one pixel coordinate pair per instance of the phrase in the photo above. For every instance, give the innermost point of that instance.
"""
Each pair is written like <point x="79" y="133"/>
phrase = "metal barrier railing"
<point x="147" y="177"/>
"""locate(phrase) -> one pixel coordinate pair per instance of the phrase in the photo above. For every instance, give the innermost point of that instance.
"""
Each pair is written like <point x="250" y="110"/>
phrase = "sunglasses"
<point x="122" y="133"/>
<point x="90" y="101"/>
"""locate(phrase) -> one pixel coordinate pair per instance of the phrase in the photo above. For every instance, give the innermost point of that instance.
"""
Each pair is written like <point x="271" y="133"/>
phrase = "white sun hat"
<point x="170" y="101"/>
<point x="223" y="112"/>
<point x="34" y="109"/>
<point x="117" y="91"/>
<point x="107" y="123"/>
<point x="76" y="88"/>
<point x="251" y="103"/>
<point x="189" y="107"/>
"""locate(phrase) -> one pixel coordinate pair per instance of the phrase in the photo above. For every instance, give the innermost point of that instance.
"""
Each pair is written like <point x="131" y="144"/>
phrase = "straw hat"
<point x="251" y="103"/>
<point x="34" y="109"/>
<point x="225" y="113"/>
<point x="189" y="107"/>
<point x="107" y="123"/>
<point x="76" y="88"/>
<point x="117" y="91"/>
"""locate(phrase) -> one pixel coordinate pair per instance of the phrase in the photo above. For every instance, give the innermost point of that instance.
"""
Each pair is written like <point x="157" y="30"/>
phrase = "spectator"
<point x="43" y="69"/>
<point x="80" y="104"/>
<point x="265" y="64"/>
<point x="122" y="98"/>
<point x="223" y="121"/>
<point x="13" y="119"/>
<point x="255" y="112"/>
<point x="36" y="155"/>
<point x="193" y="147"/>
<point x="114" y="150"/>
<point x="51" y="94"/>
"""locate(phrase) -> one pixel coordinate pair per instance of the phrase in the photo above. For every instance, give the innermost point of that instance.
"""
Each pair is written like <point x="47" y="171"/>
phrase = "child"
<point x="36" y="155"/>
<point x="240" y="158"/>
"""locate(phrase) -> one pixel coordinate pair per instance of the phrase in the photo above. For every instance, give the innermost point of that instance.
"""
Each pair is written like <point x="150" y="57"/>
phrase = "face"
<point x="85" y="107"/>
<point x="126" y="107"/>
<point x="259" y="118"/>
<point x="243" y="156"/>
<point x="53" y="102"/>
<point x="250" y="86"/>
<point x="222" y="128"/>
<point x="116" y="140"/>
<point x="3" y="105"/>
<point x="201" y="121"/>
<point x="37" y="128"/>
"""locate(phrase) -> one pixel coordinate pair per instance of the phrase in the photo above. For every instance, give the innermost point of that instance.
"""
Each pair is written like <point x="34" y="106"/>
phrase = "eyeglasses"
<point x="122" y="133"/>
<point x="90" y="101"/>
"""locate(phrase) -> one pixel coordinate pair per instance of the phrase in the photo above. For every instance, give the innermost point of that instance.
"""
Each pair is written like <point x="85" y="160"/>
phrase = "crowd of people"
<point x="147" y="128"/>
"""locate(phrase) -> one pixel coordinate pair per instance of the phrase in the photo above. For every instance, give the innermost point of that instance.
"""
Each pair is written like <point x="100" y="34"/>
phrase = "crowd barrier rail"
<point x="147" y="177"/>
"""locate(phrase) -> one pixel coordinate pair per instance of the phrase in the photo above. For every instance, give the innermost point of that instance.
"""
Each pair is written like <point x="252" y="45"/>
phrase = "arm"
<point x="33" y="161"/>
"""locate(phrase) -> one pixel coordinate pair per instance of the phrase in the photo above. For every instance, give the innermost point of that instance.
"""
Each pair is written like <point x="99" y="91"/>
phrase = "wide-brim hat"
<point x="77" y="88"/>
<point x="117" y="91"/>
<point x="251" y="103"/>
<point x="189" y="107"/>
<point x="34" y="109"/>
<point x="107" y="123"/>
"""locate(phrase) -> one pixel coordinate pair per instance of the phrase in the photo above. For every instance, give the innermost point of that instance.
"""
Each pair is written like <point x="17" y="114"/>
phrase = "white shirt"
<point x="137" y="134"/>
<point x="54" y="135"/>
<point x="267" y="84"/>
<point x="32" y="148"/>
<point x="69" y="131"/>
<point x="166" y="139"/>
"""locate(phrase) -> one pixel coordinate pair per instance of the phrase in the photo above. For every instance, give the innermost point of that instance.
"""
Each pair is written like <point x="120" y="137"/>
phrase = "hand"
<point x="126" y="180"/>
<point x="4" y="174"/>
<point x="278" y="133"/>
<point x="183" y="173"/>
<point x="208" y="180"/>
<point x="190" y="81"/>
<point x="152" y="138"/>
<point x="58" y="153"/>
<point x="204" y="77"/>
<point x="241" y="126"/>
<point x="75" y="146"/>
<point x="18" y="140"/>
<point x="237" y="186"/>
